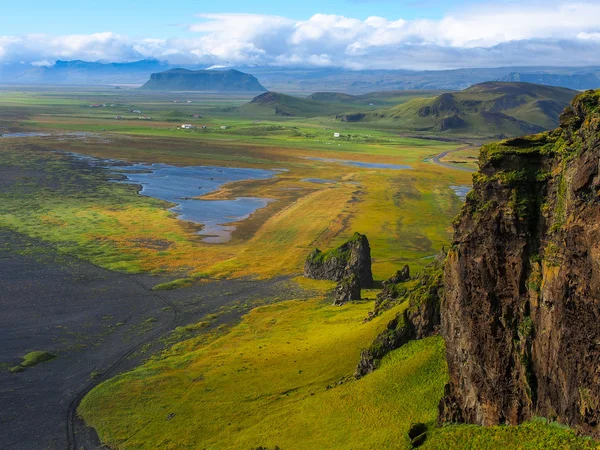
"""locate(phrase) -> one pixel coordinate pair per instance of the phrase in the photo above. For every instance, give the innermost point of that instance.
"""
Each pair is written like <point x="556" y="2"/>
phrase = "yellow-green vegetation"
<point x="282" y="377"/>
<point x="404" y="213"/>
<point x="285" y="369"/>
<point x="486" y="109"/>
<point x="31" y="359"/>
<point x="534" y="435"/>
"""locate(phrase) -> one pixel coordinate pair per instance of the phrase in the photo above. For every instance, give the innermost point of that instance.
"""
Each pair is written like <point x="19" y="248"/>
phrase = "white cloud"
<point x="565" y="33"/>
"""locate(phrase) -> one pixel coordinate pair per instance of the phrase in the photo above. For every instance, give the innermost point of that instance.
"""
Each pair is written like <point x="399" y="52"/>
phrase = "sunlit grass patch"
<point x="533" y="435"/>
<point x="274" y="367"/>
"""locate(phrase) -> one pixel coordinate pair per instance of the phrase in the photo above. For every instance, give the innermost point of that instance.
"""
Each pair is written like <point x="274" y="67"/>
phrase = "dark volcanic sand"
<point x="68" y="307"/>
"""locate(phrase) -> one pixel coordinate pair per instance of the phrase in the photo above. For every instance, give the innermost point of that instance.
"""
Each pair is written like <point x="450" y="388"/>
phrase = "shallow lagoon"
<point x="183" y="186"/>
<point x="462" y="191"/>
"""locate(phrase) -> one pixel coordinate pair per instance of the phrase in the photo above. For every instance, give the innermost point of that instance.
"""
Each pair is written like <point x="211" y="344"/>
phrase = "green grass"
<point x="281" y="365"/>
<point x="535" y="435"/>
<point x="31" y="359"/>
<point x="176" y="284"/>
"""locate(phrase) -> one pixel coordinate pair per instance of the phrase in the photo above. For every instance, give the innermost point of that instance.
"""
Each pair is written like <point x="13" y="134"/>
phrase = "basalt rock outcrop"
<point x="521" y="313"/>
<point x="352" y="257"/>
<point x="420" y="319"/>
<point x="347" y="289"/>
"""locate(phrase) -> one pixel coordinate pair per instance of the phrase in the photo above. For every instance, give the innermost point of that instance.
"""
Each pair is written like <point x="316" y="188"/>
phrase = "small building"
<point x="187" y="126"/>
<point x="197" y="116"/>
<point x="118" y="117"/>
<point x="135" y="111"/>
<point x="145" y="118"/>
<point x="95" y="105"/>
<point x="336" y="135"/>
<point x="223" y="127"/>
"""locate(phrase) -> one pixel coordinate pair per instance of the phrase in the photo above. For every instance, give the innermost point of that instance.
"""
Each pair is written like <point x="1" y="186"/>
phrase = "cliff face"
<point x="521" y="314"/>
<point x="353" y="257"/>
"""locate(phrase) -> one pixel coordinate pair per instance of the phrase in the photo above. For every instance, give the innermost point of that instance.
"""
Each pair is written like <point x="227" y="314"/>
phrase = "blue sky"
<point x="355" y="34"/>
<point x="164" y="19"/>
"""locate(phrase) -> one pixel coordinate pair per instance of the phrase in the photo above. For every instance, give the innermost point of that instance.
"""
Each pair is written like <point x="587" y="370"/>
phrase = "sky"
<point x="355" y="34"/>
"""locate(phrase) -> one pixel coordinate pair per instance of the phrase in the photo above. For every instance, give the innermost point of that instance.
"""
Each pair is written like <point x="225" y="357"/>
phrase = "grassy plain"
<point x="283" y="375"/>
<point x="405" y="213"/>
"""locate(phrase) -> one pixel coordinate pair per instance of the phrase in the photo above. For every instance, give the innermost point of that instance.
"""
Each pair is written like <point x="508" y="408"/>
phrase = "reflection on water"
<point x="461" y="191"/>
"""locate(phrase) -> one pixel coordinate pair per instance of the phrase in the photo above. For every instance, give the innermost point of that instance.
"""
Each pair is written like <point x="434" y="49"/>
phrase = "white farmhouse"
<point x="187" y="126"/>
<point x="336" y="135"/>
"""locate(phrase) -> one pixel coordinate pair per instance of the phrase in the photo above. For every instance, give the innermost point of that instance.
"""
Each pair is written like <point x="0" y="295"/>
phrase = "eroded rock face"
<point x="352" y="257"/>
<point x="521" y="315"/>
<point x="348" y="289"/>
<point x="419" y="320"/>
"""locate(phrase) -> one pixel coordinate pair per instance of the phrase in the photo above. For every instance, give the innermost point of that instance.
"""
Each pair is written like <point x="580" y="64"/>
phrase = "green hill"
<point x="376" y="99"/>
<point x="486" y="109"/>
<point x="326" y="103"/>
<point x="276" y="104"/>
<point x="203" y="80"/>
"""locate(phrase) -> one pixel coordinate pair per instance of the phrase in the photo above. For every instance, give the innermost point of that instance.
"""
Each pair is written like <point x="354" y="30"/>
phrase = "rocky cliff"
<point x="521" y="314"/>
<point x="353" y="257"/>
<point x="420" y="318"/>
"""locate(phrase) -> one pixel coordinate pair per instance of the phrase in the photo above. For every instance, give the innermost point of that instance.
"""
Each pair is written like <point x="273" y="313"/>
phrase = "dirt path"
<point x="97" y="322"/>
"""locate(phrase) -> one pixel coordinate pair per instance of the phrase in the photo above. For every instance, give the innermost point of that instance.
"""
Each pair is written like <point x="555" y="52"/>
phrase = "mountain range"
<point x="302" y="80"/>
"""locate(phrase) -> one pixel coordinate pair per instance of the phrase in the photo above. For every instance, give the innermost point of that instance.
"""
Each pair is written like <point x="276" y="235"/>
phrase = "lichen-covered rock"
<point x="397" y="333"/>
<point x="352" y="257"/>
<point x="347" y="289"/>
<point x="399" y="277"/>
<point x="420" y="319"/>
<point x="521" y="314"/>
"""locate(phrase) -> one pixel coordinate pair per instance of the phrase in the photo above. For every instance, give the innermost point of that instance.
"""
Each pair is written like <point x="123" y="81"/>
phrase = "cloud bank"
<point x="564" y="33"/>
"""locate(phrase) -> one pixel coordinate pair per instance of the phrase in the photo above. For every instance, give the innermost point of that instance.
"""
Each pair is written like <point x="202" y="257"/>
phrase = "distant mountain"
<point x="579" y="81"/>
<point x="374" y="99"/>
<point x="302" y="80"/>
<point x="486" y="109"/>
<point x="326" y="103"/>
<point x="203" y="80"/>
<point x="81" y="72"/>
<point x="276" y="104"/>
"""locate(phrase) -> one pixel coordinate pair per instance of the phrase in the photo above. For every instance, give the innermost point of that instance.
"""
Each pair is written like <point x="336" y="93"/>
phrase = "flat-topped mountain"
<point x="486" y="109"/>
<point x="203" y="80"/>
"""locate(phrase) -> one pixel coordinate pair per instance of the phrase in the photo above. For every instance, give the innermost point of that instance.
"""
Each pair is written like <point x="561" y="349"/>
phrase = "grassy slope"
<point x="266" y="383"/>
<point x="375" y="99"/>
<point x="276" y="104"/>
<point x="273" y="369"/>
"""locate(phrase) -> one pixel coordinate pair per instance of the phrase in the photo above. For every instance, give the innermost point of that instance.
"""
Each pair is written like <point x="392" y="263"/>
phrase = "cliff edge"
<point x="521" y="313"/>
